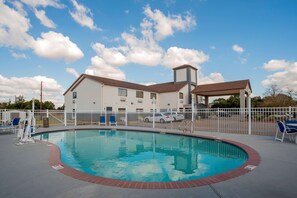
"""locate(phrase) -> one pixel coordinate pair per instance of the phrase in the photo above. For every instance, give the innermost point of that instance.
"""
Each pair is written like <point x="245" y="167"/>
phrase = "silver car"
<point x="177" y="116"/>
<point x="159" y="117"/>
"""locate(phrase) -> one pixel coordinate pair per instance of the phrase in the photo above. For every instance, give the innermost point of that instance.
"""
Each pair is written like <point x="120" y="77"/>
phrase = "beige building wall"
<point x="193" y="76"/>
<point x="88" y="96"/>
<point x="181" y="75"/>
<point x="112" y="99"/>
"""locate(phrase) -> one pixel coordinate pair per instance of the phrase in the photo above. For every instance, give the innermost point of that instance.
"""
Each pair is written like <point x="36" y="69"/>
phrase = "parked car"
<point x="177" y="116"/>
<point x="159" y="117"/>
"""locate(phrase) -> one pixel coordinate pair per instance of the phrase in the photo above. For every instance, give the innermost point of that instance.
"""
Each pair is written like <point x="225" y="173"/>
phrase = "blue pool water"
<point x="143" y="156"/>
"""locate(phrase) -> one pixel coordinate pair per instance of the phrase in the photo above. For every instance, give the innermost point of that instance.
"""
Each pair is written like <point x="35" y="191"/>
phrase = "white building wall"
<point x="112" y="99"/>
<point x="170" y="98"/>
<point x="181" y="75"/>
<point x="184" y="101"/>
<point x="88" y="97"/>
<point x="193" y="76"/>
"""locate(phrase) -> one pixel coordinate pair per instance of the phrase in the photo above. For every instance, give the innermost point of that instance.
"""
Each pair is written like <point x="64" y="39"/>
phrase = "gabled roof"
<point x="167" y="87"/>
<point x="159" y="88"/>
<point x="184" y="66"/>
<point x="224" y="88"/>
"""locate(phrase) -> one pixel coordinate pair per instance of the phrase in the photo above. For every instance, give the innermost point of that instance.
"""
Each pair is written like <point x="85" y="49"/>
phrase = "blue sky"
<point x="139" y="41"/>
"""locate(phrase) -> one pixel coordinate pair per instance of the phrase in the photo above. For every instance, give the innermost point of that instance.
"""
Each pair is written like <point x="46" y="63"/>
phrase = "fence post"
<point x="249" y="112"/>
<point x="126" y="116"/>
<point x="65" y="117"/>
<point x="218" y="113"/>
<point x="47" y="113"/>
<point x="75" y="115"/>
<point x="154" y="107"/>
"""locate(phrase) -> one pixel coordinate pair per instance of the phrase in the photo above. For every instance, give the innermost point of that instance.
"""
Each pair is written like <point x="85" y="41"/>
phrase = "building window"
<point x="123" y="92"/>
<point x="139" y="110"/>
<point x="181" y="95"/>
<point x="74" y="95"/>
<point x="121" y="110"/>
<point x="108" y="108"/>
<point x="153" y="95"/>
<point x="139" y="94"/>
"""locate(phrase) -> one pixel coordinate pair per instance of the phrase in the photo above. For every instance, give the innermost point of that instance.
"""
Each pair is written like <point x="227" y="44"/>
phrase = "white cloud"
<point x="178" y="56"/>
<point x="72" y="71"/>
<point x="54" y="45"/>
<point x="18" y="55"/>
<point x="100" y="68"/>
<point x="275" y="65"/>
<point x="212" y="78"/>
<point x="145" y="49"/>
<point x="284" y="78"/>
<point x="112" y="56"/>
<point x="14" y="28"/>
<point x="43" y="3"/>
<point x="40" y="14"/>
<point x="29" y="87"/>
<point x="19" y="7"/>
<point x="82" y="15"/>
<point x="238" y="49"/>
<point x="165" y="26"/>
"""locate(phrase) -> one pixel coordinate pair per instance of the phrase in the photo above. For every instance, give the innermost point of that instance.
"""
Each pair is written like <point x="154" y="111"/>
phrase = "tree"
<point x="231" y="102"/>
<point x="272" y="90"/>
<point x="62" y="107"/>
<point x="279" y="100"/>
<point x="48" y="105"/>
<point x="256" y="101"/>
<point x="219" y="103"/>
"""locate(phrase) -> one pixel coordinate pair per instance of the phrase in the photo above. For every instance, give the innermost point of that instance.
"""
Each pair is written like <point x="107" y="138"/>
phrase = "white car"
<point x="159" y="117"/>
<point x="177" y="116"/>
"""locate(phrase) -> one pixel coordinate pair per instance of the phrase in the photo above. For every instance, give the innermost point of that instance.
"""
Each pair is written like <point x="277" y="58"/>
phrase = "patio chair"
<point x="102" y="120"/>
<point x="284" y="129"/>
<point x="112" y="120"/>
<point x="15" y="123"/>
<point x="12" y="127"/>
<point x="5" y="129"/>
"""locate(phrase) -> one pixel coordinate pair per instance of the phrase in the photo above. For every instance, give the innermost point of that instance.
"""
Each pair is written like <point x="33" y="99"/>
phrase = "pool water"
<point x="144" y="156"/>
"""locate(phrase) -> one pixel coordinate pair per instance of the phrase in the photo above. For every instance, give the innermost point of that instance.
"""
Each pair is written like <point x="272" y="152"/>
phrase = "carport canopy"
<point x="241" y="87"/>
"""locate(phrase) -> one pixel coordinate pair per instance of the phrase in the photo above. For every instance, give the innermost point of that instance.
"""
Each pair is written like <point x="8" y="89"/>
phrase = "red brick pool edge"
<point x="252" y="162"/>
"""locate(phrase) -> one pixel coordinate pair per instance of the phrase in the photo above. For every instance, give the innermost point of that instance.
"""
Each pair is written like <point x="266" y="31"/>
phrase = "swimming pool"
<point x="145" y="157"/>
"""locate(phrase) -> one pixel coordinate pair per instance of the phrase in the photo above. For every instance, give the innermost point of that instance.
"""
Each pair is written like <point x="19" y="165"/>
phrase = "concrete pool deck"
<point x="26" y="172"/>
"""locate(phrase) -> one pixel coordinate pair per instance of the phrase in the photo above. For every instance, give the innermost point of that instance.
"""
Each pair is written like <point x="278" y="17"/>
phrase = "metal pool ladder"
<point x="187" y="125"/>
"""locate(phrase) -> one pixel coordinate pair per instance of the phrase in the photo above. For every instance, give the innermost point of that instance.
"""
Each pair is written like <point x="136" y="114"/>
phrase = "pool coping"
<point x="252" y="162"/>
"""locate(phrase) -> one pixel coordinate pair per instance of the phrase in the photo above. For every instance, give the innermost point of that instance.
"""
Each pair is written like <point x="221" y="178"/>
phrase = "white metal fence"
<point x="262" y="121"/>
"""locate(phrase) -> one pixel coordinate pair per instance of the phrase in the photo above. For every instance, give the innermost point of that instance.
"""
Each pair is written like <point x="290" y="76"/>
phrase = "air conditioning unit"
<point x="181" y="101"/>
<point x="139" y="101"/>
<point x="123" y="99"/>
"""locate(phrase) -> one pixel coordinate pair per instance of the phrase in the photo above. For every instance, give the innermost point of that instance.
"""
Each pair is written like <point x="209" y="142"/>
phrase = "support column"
<point x="242" y="98"/>
<point x="206" y="100"/>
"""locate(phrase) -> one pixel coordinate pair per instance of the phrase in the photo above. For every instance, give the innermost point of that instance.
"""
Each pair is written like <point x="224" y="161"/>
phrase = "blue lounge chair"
<point x="285" y="128"/>
<point x="102" y="120"/>
<point x="12" y="127"/>
<point x="112" y="120"/>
